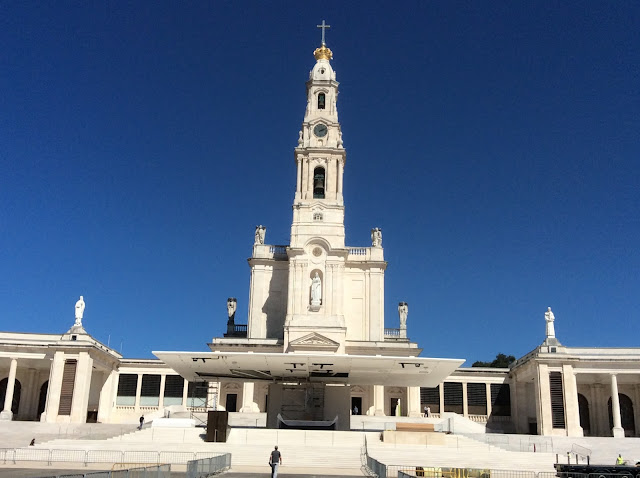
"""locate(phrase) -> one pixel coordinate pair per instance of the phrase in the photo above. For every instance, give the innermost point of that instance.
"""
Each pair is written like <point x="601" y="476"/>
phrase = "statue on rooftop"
<point x="261" y="231"/>
<point x="232" y="305"/>
<point x="403" y="312"/>
<point x="79" y="311"/>
<point x="376" y="237"/>
<point x="549" y="317"/>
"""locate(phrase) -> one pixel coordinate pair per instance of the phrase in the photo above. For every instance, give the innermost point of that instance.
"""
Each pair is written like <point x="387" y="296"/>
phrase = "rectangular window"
<point x="150" y="391"/>
<point x="453" y="397"/>
<point x="197" y="394"/>
<point x="500" y="400"/>
<point x="173" y="387"/>
<point x="127" y="384"/>
<point x="430" y="397"/>
<point x="557" y="400"/>
<point x="477" y="398"/>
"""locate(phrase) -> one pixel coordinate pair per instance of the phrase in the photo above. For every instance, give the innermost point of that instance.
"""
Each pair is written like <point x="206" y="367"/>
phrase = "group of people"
<point x="427" y="411"/>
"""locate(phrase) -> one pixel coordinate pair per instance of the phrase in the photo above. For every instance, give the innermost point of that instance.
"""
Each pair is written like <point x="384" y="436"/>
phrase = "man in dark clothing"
<point x="275" y="460"/>
<point x="141" y="422"/>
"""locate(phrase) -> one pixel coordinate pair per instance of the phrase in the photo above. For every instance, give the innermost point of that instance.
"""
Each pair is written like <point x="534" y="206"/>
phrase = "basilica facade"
<point x="315" y="343"/>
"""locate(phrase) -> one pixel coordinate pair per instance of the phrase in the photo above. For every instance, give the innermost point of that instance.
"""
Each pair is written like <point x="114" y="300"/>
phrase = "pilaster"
<point x="163" y="381"/>
<point x="413" y="402"/>
<point x="54" y="389"/>
<point x="571" y="407"/>
<point x="378" y="400"/>
<point x="248" y="405"/>
<point x="543" y="412"/>
<point x="465" y="400"/>
<point x="81" y="388"/>
<point x="138" y="392"/>
<point x="107" y="396"/>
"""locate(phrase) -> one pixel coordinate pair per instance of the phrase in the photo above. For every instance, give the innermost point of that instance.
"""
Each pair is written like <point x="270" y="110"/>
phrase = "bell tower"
<point x="318" y="208"/>
<point x="317" y="253"/>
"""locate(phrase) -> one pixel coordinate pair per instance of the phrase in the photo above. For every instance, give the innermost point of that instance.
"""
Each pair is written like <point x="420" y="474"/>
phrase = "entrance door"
<point x="394" y="407"/>
<point x="232" y="402"/>
<point x="356" y="405"/>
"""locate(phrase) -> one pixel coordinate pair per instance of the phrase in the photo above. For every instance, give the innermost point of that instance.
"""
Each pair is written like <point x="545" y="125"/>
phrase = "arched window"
<point x="17" y="390"/>
<point x="42" y="399"/>
<point x="321" y="101"/>
<point x="626" y="415"/>
<point x="318" y="183"/>
<point x="583" y="407"/>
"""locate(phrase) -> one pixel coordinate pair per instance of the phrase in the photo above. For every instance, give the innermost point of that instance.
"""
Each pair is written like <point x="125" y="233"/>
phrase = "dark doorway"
<point x="533" y="428"/>
<point x="92" y="416"/>
<point x="17" y="390"/>
<point x="232" y="402"/>
<point x="395" y="402"/>
<point x="583" y="407"/>
<point x="626" y="415"/>
<point x="42" y="400"/>
<point x="356" y="405"/>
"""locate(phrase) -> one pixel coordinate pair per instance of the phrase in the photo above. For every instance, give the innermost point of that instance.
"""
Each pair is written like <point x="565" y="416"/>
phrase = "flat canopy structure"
<point x="308" y="367"/>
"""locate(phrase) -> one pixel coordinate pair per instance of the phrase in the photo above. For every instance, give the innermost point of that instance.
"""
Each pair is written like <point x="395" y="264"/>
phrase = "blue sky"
<point x="497" y="144"/>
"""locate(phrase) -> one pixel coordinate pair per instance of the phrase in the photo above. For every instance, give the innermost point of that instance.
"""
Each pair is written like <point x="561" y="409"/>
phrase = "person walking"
<point x="275" y="460"/>
<point x="620" y="460"/>
<point x="141" y="422"/>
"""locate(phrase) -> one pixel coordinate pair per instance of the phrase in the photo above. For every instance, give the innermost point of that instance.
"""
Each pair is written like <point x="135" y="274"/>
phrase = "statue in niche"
<point x="376" y="237"/>
<point x="316" y="290"/>
<point x="403" y="312"/>
<point x="232" y="305"/>
<point x="261" y="231"/>
<point x="550" y="318"/>
<point x="79" y="311"/>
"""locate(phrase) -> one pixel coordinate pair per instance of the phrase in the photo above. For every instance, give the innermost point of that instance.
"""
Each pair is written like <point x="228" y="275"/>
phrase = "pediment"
<point x="313" y="341"/>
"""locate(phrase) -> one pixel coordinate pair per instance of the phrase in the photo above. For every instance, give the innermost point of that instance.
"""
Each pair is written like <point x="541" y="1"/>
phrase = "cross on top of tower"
<point x="324" y="27"/>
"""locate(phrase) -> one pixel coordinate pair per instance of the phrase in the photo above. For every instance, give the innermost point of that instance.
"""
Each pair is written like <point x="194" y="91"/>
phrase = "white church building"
<point x="315" y="346"/>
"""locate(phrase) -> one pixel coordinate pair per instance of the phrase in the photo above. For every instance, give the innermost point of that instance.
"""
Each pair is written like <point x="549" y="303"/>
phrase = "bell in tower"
<point x="318" y="183"/>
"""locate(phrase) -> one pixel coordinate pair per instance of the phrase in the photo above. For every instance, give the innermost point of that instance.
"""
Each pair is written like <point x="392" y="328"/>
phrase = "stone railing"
<point x="268" y="251"/>
<point x="478" y="418"/>
<point x="392" y="332"/>
<point x="359" y="254"/>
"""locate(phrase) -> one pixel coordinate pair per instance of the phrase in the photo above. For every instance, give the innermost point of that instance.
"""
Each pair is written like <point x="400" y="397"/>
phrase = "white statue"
<point x="340" y="144"/>
<point x="376" y="237"/>
<point x="299" y="138"/>
<point x="403" y="312"/>
<point x="259" y="235"/>
<point x="316" y="290"/>
<point x="549" y="317"/>
<point x="397" y="410"/>
<point x="232" y="304"/>
<point x="79" y="311"/>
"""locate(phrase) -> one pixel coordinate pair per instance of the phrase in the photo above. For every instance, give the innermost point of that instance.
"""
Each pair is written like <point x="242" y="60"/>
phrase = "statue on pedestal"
<point x="79" y="311"/>
<point x="376" y="237"/>
<point x="403" y="312"/>
<point x="549" y="317"/>
<point x="316" y="290"/>
<point x="232" y="305"/>
<point x="261" y="231"/>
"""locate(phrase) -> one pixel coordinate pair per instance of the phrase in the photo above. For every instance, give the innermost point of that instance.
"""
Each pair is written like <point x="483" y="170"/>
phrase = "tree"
<point x="501" y="361"/>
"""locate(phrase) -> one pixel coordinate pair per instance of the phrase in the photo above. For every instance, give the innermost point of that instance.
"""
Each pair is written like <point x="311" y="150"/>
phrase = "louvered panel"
<point x="68" y="383"/>
<point x="477" y="398"/>
<point x="173" y="387"/>
<point x="127" y="384"/>
<point x="430" y="397"/>
<point x="557" y="400"/>
<point x="453" y="397"/>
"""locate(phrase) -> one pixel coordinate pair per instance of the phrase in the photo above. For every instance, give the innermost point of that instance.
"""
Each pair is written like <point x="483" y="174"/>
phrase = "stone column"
<point x="571" y="407"/>
<point x="185" y="392"/>
<point x="340" y="173"/>
<point x="413" y="402"/>
<point x="378" y="400"/>
<point x="618" y="431"/>
<point x="55" y="387"/>
<point x="487" y="389"/>
<point x="6" y="413"/>
<point x="163" y="381"/>
<point x="299" y="176"/>
<point x="543" y="409"/>
<point x="138" y="392"/>
<point x="106" y="396"/>
<point x="81" y="388"/>
<point x="465" y="400"/>
<point x="441" y="398"/>
<point x="248" y="405"/>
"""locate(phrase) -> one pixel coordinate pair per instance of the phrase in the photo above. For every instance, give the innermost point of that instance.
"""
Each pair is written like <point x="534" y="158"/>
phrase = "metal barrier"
<point x="57" y="455"/>
<point x="156" y="471"/>
<point x="208" y="466"/>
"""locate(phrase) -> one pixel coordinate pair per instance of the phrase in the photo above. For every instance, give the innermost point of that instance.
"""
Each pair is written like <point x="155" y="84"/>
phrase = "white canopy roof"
<point x="326" y="368"/>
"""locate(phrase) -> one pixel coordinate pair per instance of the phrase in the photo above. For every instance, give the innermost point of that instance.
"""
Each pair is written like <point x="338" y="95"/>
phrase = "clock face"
<point x="320" y="130"/>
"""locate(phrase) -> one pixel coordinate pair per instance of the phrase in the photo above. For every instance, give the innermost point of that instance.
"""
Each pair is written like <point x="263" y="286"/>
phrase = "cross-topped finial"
<point x="323" y="26"/>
